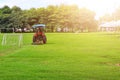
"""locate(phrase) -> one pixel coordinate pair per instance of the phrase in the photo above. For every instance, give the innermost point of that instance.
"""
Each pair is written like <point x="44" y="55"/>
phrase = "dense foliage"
<point x="62" y="16"/>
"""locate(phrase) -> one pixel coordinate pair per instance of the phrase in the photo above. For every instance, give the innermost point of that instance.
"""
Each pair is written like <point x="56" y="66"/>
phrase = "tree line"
<point x="62" y="16"/>
<point x="115" y="16"/>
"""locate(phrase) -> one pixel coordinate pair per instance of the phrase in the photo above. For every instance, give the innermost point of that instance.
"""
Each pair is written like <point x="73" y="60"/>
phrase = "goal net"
<point x="12" y="40"/>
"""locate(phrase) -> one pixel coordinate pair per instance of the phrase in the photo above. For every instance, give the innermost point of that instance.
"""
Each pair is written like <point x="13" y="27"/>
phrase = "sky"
<point x="100" y="7"/>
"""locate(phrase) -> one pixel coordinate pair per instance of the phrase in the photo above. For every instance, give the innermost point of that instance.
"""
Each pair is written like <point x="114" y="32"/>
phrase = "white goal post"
<point x="12" y="39"/>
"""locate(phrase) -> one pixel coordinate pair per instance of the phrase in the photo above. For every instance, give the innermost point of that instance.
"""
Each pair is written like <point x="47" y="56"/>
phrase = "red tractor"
<point x="39" y="37"/>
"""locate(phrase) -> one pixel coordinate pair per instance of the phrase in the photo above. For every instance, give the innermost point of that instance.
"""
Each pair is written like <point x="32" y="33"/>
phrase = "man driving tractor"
<point x="39" y="37"/>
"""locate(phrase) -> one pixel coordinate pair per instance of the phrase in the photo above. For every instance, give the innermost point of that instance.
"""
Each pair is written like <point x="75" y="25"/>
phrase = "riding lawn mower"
<point x="39" y="37"/>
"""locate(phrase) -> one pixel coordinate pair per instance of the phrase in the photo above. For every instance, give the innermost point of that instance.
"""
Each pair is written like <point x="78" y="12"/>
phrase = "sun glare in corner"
<point x="100" y="7"/>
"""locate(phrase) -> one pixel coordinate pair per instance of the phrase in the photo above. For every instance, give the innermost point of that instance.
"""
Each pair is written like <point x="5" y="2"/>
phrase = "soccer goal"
<point x="12" y="39"/>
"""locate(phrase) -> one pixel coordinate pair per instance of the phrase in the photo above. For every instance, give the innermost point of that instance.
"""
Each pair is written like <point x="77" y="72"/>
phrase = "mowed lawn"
<point x="66" y="56"/>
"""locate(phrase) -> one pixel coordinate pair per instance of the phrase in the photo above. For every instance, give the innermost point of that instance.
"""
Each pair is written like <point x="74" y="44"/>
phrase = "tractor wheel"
<point x="34" y="39"/>
<point x="44" y="39"/>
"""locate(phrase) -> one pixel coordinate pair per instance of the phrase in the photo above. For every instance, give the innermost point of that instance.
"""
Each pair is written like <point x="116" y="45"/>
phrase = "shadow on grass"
<point x="43" y="44"/>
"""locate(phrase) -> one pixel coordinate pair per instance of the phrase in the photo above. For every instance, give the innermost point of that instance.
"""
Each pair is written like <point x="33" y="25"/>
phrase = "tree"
<point x="16" y="9"/>
<point x="87" y="19"/>
<point x="4" y="16"/>
<point x="116" y="14"/>
<point x="6" y="10"/>
<point x="52" y="19"/>
<point x="32" y="17"/>
<point x="105" y="18"/>
<point x="16" y="17"/>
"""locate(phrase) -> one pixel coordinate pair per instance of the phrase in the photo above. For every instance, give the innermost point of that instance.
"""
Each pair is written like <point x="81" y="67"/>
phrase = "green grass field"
<point x="66" y="56"/>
